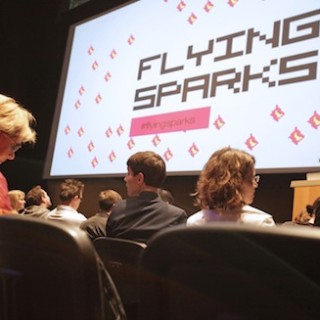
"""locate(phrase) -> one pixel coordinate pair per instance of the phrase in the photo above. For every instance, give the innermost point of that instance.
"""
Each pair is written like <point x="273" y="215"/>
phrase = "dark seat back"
<point x="121" y="259"/>
<point x="48" y="271"/>
<point x="228" y="271"/>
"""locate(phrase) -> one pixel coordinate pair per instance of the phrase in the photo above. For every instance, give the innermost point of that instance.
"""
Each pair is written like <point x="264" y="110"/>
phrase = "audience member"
<point x="306" y="216"/>
<point x="166" y="195"/>
<point x="95" y="226"/>
<point x="15" y="129"/>
<point x="71" y="192"/>
<point x="143" y="213"/>
<point x="38" y="203"/>
<point x="17" y="200"/>
<point x="225" y="189"/>
<point x="311" y="212"/>
<point x="316" y="211"/>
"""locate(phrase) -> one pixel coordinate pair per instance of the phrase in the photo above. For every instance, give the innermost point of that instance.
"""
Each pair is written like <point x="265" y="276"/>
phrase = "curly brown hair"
<point x="220" y="182"/>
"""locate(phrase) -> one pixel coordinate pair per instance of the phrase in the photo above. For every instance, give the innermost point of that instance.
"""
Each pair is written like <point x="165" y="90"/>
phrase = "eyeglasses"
<point x="14" y="146"/>
<point x="256" y="179"/>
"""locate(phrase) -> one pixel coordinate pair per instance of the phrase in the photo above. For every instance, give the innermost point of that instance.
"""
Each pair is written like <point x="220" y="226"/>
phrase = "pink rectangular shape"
<point x="171" y="122"/>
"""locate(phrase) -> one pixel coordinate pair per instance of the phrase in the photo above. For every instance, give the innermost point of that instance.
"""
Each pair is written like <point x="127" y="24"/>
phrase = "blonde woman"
<point x="16" y="128"/>
<point x="17" y="200"/>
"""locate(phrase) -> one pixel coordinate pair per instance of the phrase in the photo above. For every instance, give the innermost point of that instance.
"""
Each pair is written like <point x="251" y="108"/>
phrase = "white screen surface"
<point x="185" y="78"/>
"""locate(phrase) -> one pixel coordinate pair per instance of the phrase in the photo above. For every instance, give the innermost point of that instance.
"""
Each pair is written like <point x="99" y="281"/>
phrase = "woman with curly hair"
<point x="226" y="188"/>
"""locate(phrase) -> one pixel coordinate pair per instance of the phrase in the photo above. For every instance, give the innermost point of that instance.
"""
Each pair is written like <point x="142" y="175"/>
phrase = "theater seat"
<point x="50" y="271"/>
<point x="121" y="258"/>
<point x="229" y="271"/>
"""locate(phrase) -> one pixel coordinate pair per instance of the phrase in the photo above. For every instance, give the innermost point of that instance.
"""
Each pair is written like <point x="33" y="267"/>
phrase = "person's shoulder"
<point x="97" y="217"/>
<point x="81" y="216"/>
<point x="252" y="210"/>
<point x="85" y="223"/>
<point x="119" y="206"/>
<point x="2" y="177"/>
<point x="253" y="215"/>
<point x="52" y="211"/>
<point x="176" y="209"/>
<point x="196" y="218"/>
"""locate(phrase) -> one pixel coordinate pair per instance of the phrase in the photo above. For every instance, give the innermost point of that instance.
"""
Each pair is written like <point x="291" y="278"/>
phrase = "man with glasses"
<point x="16" y="128"/>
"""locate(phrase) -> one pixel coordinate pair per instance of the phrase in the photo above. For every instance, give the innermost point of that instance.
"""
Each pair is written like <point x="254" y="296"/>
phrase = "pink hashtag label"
<point x="170" y="122"/>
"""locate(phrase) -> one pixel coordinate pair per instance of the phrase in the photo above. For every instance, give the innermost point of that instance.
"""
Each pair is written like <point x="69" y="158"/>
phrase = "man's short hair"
<point x="107" y="198"/>
<point x="151" y="165"/>
<point x="34" y="196"/>
<point x="69" y="189"/>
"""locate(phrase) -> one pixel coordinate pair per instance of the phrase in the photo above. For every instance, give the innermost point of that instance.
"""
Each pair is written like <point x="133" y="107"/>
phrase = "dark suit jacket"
<point x="139" y="218"/>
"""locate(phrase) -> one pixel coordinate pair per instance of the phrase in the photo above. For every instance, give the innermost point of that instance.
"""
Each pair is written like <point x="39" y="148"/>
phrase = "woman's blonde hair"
<point x="16" y="121"/>
<point x="15" y="196"/>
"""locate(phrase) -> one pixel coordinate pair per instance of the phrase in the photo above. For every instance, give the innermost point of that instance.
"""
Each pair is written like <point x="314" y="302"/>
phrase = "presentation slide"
<point x="185" y="78"/>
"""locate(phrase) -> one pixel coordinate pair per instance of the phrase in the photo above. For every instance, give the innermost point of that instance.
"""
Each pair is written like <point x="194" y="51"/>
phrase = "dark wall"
<point x="33" y="36"/>
<point x="31" y="56"/>
<point x="30" y="62"/>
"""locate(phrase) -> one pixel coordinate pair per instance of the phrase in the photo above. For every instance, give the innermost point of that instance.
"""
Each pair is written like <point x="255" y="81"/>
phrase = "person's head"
<point x="16" y="124"/>
<point x="227" y="180"/>
<point x="107" y="199"/>
<point x="309" y="209"/>
<point x="146" y="171"/>
<point x="38" y="197"/>
<point x="166" y="195"/>
<point x="304" y="216"/>
<point x="71" y="192"/>
<point x="17" y="199"/>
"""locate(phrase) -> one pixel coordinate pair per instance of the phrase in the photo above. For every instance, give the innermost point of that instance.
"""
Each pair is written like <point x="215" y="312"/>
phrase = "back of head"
<point x="70" y="188"/>
<point x="34" y="196"/>
<point x="309" y="209"/>
<point x="166" y="195"/>
<point x="107" y="198"/>
<point x="222" y="177"/>
<point x="16" y="121"/>
<point x="15" y="196"/>
<point x="151" y="165"/>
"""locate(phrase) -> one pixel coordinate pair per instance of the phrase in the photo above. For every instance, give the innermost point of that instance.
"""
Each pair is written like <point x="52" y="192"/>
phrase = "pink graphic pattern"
<point x="157" y="125"/>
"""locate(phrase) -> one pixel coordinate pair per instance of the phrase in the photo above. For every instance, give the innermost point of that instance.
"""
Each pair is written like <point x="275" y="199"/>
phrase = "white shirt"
<point x="66" y="213"/>
<point x="248" y="215"/>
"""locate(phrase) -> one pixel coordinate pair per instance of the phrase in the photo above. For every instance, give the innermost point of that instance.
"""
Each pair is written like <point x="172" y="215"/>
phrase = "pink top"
<point x="5" y="204"/>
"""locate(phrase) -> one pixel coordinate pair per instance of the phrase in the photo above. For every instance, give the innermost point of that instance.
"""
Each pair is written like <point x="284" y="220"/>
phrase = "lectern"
<point x="305" y="192"/>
